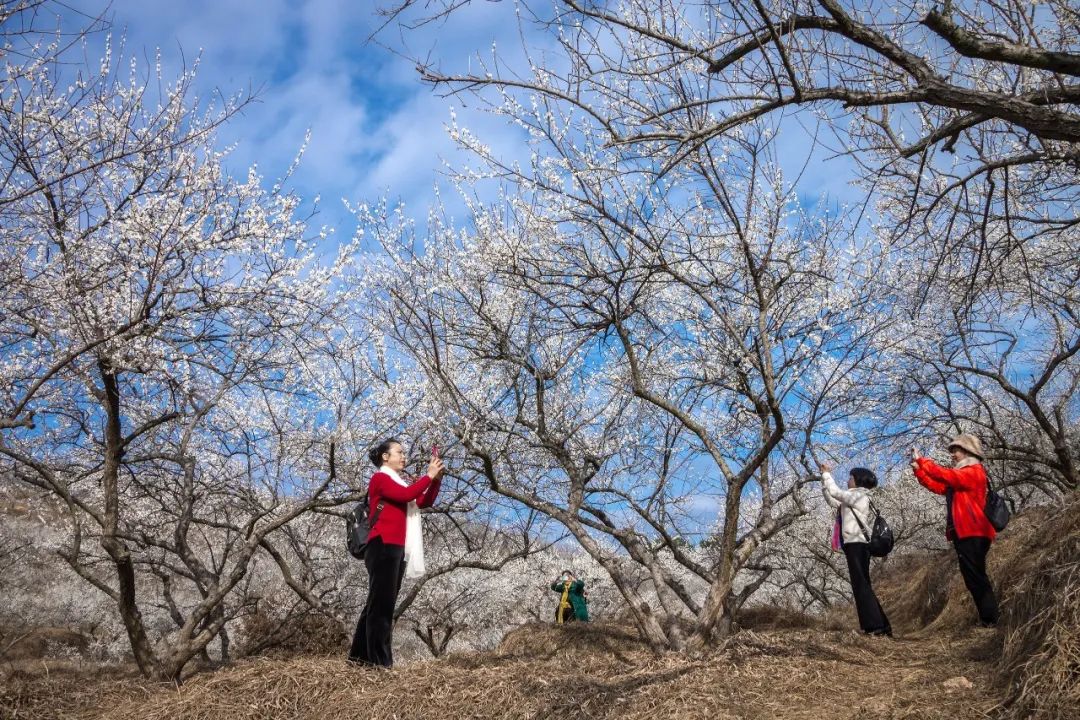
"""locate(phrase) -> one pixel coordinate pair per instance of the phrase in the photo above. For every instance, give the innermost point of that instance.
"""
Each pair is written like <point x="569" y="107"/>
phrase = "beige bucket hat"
<point x="968" y="442"/>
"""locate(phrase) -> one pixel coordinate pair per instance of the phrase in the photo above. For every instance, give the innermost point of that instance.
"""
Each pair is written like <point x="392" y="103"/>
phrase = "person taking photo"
<point x="395" y="546"/>
<point x="964" y="486"/>
<point x="572" y="603"/>
<point x="853" y="509"/>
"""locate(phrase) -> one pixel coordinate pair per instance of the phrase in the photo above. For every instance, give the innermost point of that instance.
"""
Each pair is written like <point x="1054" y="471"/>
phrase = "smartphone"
<point x="434" y="451"/>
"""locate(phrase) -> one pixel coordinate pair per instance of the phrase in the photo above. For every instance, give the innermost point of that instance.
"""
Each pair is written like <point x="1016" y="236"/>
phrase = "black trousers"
<point x="971" y="552"/>
<point x="371" y="643"/>
<point x="872" y="618"/>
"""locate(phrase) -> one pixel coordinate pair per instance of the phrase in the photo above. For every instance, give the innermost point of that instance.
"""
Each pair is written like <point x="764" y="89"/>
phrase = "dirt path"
<point x="797" y="674"/>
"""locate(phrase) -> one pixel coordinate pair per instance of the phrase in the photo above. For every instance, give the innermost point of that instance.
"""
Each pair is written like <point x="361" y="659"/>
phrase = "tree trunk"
<point x="715" y="617"/>
<point x="149" y="664"/>
<point x="650" y="627"/>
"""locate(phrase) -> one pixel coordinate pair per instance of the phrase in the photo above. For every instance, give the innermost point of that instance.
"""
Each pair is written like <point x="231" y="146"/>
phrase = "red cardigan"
<point x="968" y="485"/>
<point x="390" y="525"/>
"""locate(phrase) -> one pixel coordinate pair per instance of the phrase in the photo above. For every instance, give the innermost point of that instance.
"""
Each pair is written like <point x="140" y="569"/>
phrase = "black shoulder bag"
<point x="996" y="509"/>
<point x="357" y="527"/>
<point x="880" y="539"/>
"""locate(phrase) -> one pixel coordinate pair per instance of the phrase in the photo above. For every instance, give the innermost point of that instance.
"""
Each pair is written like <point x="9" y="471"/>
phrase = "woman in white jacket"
<point x="853" y="504"/>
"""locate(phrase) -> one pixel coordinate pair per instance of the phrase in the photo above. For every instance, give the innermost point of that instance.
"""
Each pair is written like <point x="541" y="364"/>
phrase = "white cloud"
<point x="375" y="128"/>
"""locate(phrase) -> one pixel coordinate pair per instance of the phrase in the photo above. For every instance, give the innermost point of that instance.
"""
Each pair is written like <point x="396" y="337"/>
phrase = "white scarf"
<point x="414" y="533"/>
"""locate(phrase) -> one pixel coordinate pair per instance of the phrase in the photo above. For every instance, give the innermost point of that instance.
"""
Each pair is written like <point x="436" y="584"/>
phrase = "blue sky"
<point x="376" y="130"/>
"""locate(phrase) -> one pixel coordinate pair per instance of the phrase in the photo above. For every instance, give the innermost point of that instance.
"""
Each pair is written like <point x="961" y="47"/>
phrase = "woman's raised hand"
<point x="826" y="466"/>
<point x="435" y="468"/>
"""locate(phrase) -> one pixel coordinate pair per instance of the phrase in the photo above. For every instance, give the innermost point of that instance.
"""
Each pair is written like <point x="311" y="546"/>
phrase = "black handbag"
<point x="996" y="509"/>
<point x="880" y="540"/>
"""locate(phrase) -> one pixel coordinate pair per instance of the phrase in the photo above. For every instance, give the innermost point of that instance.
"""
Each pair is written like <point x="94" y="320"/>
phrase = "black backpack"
<point x="357" y="527"/>
<point x="996" y="510"/>
<point x="880" y="539"/>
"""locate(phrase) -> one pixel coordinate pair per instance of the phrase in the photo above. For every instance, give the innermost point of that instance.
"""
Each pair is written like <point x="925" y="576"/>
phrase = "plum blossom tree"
<point x="614" y="344"/>
<point x="628" y="295"/>
<point x="171" y="348"/>
<point x="961" y="121"/>
<point x="1006" y="368"/>
<point x="992" y="84"/>
<point x="643" y="338"/>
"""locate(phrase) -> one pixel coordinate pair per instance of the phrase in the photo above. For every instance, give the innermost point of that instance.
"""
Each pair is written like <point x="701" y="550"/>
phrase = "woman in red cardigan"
<point x="395" y="547"/>
<point x="964" y="486"/>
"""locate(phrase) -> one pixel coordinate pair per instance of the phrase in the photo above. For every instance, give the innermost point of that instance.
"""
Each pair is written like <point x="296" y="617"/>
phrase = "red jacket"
<point x="965" y="492"/>
<point x="390" y="524"/>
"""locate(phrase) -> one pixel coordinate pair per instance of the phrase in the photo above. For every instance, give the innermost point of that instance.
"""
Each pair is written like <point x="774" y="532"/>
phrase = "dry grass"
<point x="308" y="634"/>
<point x="1040" y="661"/>
<point x="31" y="690"/>
<point x="925" y="595"/>
<point x="771" y="617"/>
<point x="780" y="666"/>
<point x="915" y="589"/>
<point x="584" y="671"/>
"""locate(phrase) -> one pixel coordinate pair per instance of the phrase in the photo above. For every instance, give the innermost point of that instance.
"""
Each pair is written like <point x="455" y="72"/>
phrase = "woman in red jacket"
<point x="964" y="486"/>
<point x="395" y="547"/>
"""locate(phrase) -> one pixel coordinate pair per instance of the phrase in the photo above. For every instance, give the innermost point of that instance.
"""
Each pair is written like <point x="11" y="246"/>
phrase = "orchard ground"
<point x="597" y="671"/>
<point x="779" y="665"/>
